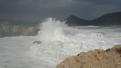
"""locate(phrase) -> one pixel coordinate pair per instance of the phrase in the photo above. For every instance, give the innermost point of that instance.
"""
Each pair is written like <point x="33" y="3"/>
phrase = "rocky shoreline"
<point x="110" y="58"/>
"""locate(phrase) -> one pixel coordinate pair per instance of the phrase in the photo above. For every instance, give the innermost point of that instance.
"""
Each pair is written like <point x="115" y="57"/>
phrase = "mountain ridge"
<point x="104" y="20"/>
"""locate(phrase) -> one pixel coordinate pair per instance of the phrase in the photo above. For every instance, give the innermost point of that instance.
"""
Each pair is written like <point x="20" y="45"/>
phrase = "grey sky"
<point x="87" y="9"/>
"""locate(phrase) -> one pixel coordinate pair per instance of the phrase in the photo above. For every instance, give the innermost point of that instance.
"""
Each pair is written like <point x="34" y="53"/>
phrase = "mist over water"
<point x="59" y="41"/>
<point x="55" y="41"/>
<point x="52" y="30"/>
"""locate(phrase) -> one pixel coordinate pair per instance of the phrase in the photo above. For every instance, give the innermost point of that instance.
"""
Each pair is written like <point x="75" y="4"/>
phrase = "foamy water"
<point x="56" y="42"/>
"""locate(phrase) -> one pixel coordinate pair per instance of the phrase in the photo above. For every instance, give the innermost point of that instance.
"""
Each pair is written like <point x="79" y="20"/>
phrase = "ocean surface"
<point x="55" y="41"/>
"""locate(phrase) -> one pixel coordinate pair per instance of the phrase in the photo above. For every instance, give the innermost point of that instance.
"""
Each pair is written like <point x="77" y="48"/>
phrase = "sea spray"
<point x="54" y="44"/>
<point x="52" y="30"/>
<point x="59" y="41"/>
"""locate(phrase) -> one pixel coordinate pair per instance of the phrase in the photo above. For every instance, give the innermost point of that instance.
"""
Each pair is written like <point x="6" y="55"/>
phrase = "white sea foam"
<point x="60" y="41"/>
<point x="56" y="42"/>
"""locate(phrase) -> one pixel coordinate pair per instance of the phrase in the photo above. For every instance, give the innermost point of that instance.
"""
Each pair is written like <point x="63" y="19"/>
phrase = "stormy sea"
<point x="54" y="42"/>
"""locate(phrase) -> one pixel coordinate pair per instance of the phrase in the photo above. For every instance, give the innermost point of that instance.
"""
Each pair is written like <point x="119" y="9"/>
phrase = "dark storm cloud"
<point x="57" y="8"/>
<point x="96" y="8"/>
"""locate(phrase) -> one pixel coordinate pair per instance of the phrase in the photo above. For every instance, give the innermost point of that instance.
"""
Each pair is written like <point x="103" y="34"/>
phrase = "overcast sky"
<point x="31" y="9"/>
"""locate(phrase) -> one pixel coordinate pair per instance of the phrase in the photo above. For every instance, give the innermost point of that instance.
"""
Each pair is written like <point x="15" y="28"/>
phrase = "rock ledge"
<point x="110" y="58"/>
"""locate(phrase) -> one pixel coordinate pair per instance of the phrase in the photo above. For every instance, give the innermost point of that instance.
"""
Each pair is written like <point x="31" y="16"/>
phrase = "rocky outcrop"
<point x="110" y="58"/>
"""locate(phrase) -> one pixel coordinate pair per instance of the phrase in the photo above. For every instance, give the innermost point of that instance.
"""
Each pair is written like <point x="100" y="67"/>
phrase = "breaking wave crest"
<point x="57" y="41"/>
